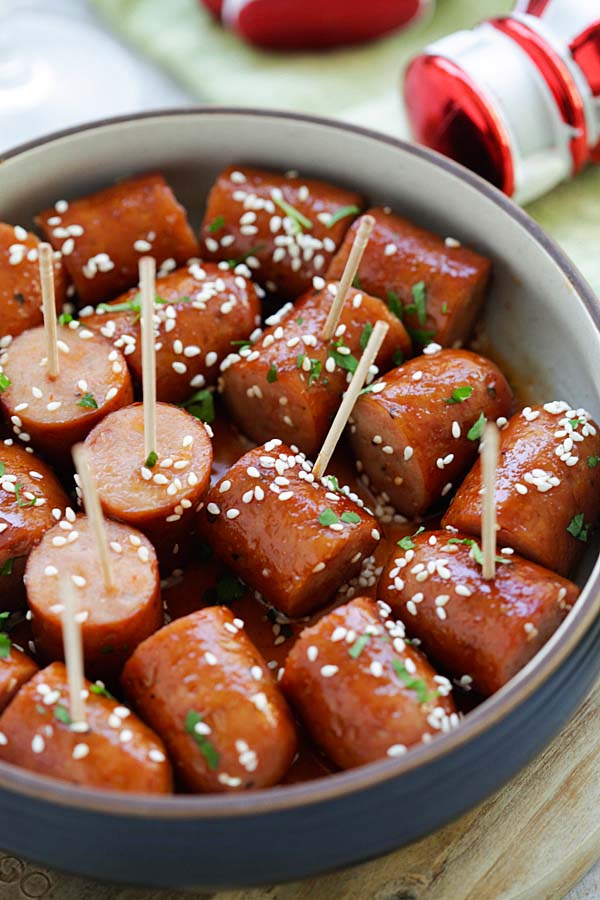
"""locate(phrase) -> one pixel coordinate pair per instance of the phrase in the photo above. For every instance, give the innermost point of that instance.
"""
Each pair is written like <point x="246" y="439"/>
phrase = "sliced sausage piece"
<point x="285" y="534"/>
<point x="201" y="314"/>
<point x="15" y="669"/>
<point x="113" y="622"/>
<point x="31" y="500"/>
<point x="437" y="285"/>
<point x="416" y="436"/>
<point x="204" y="687"/>
<point x="56" y="413"/>
<point x="290" y="383"/>
<point x="482" y="632"/>
<point x="285" y="229"/>
<point x="160" y="500"/>
<point x="547" y="486"/>
<point x="103" y="235"/>
<point x="118" y="752"/>
<point x="20" y="291"/>
<point x="361" y="690"/>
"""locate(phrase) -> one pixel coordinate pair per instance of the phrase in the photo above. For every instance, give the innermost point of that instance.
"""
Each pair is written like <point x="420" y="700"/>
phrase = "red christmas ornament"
<point x="517" y="99"/>
<point x="315" y="24"/>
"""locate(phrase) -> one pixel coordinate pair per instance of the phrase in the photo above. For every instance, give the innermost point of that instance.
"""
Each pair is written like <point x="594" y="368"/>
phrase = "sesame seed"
<point x="80" y="751"/>
<point x="38" y="744"/>
<point x="329" y="671"/>
<point x="232" y="513"/>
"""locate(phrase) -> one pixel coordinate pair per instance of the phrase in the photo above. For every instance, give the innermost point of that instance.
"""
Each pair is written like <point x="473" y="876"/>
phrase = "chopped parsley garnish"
<point x="299" y="321"/>
<point x="4" y="382"/>
<point x="395" y="305"/>
<point x="460" y="394"/>
<point x="592" y="462"/>
<point x="444" y="308"/>
<point x="300" y="221"/>
<point x="418" y="685"/>
<point x="419" y="336"/>
<point x="343" y="360"/>
<point x="398" y="357"/>
<point x="3" y="469"/>
<point x="98" y="688"/>
<point x="62" y="714"/>
<point x="359" y="645"/>
<point x="135" y="304"/>
<point x="356" y="282"/>
<point x="88" y="401"/>
<point x="316" y="367"/>
<point x="577" y="527"/>
<point x="476" y="430"/>
<point x="65" y="318"/>
<point x="206" y="748"/>
<point x="233" y="263"/>
<point x="240" y="344"/>
<point x="366" y="334"/>
<point x="5" y="645"/>
<point x="7" y="567"/>
<point x="201" y="405"/>
<point x="152" y="459"/>
<point x="229" y="589"/>
<point x="26" y="504"/>
<point x="272" y="373"/>
<point x="407" y="543"/>
<point x="299" y="360"/>
<point x="476" y="551"/>
<point x="575" y="422"/>
<point x="341" y="213"/>
<point x="216" y="224"/>
<point x="420" y="301"/>
<point x="334" y="484"/>
<point x="328" y="517"/>
<point x="350" y="518"/>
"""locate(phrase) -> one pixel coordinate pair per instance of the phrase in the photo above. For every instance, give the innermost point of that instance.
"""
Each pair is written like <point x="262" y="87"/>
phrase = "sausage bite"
<point x="200" y="314"/>
<point x="20" y="291"/>
<point x="417" y="435"/>
<point x="291" y="381"/>
<point x="56" y="413"/>
<point x="284" y="229"/>
<point x="15" y="669"/>
<point x="482" y="632"/>
<point x="103" y="236"/>
<point x="113" y="622"/>
<point x="547" y="486"/>
<point x="361" y="690"/>
<point x="436" y="285"/>
<point x="202" y="684"/>
<point x="160" y="499"/>
<point x="31" y="500"/>
<point x="117" y="752"/>
<point x="285" y="533"/>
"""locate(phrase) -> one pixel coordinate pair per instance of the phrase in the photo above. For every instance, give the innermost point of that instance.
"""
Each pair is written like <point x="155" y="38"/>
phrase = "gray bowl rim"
<point x="483" y="717"/>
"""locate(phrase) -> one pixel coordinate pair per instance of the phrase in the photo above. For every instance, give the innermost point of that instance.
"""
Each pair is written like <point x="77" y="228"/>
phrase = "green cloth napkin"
<point x="357" y="84"/>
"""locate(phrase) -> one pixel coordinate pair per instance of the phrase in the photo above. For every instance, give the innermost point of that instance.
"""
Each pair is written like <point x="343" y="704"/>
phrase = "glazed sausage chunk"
<point x="200" y="315"/>
<point x="103" y="236"/>
<point x="285" y="229"/>
<point x="31" y="499"/>
<point x="15" y="669"/>
<point x="361" y="690"/>
<point x="285" y="534"/>
<point x="56" y="413"/>
<point x="114" y="621"/>
<point x="20" y="291"/>
<point x="437" y="285"/>
<point x="547" y="486"/>
<point x="159" y="497"/>
<point x="416" y="436"/>
<point x="117" y="752"/>
<point x="482" y="632"/>
<point x="202" y="684"/>
<point x="290" y="382"/>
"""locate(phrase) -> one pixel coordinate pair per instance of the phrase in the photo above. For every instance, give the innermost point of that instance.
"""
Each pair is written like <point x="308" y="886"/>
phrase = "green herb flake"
<point x="420" y="300"/>
<point x="135" y="304"/>
<point x="7" y="567"/>
<point x="272" y="373"/>
<point x="2" y="469"/>
<point x="5" y="645"/>
<point x="444" y="308"/>
<point x="476" y="551"/>
<point x="418" y="685"/>
<point x="356" y="283"/>
<point x="476" y="430"/>
<point x="206" y="748"/>
<point x="419" y="336"/>
<point x="299" y="321"/>
<point x="300" y="221"/>
<point x="592" y="462"/>
<point x="460" y="394"/>
<point x="350" y="518"/>
<point x="23" y="504"/>
<point x="299" y="360"/>
<point x="407" y="543"/>
<point x="359" y="645"/>
<point x="62" y="714"/>
<point x="233" y="263"/>
<point x="395" y="305"/>
<point x="577" y="527"/>
<point x="341" y="213"/>
<point x="152" y="459"/>
<point x="201" y="405"/>
<point x="344" y="360"/>
<point x="99" y="689"/>
<point x="575" y="422"/>
<point x="241" y="344"/>
<point x="88" y="401"/>
<point x="4" y="382"/>
<point x="216" y="224"/>
<point x="229" y="589"/>
<point x="398" y="357"/>
<point x="366" y="334"/>
<point x="328" y="517"/>
<point x="316" y="367"/>
<point x="65" y="318"/>
<point x="334" y="484"/>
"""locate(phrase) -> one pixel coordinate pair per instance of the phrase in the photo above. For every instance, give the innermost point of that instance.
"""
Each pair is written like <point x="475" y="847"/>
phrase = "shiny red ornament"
<point x="315" y="24"/>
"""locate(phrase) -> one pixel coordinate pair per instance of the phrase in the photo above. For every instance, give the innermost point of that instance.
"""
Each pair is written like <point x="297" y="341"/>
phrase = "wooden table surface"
<point x="532" y="841"/>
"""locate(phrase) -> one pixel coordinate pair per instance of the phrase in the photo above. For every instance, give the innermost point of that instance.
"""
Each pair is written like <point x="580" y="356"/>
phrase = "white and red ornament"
<point x="315" y="24"/>
<point x="517" y="98"/>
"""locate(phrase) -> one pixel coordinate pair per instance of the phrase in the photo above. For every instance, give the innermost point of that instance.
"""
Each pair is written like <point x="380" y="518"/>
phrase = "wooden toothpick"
<point x="46" y="264"/>
<point x="347" y="405"/>
<point x="89" y="490"/>
<point x="148" y="291"/>
<point x="353" y="262"/>
<point x="489" y="465"/>
<point x="73" y="650"/>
